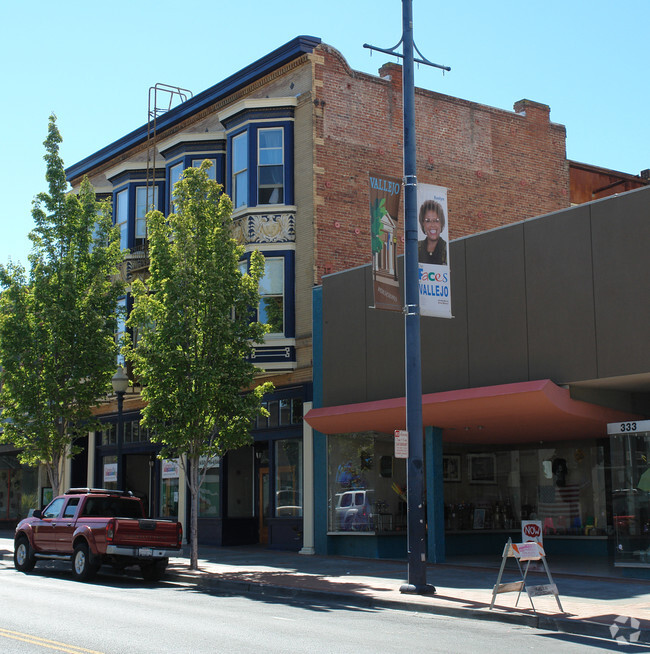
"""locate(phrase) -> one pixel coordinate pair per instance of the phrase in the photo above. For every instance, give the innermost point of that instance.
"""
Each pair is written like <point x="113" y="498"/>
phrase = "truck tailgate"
<point x="145" y="533"/>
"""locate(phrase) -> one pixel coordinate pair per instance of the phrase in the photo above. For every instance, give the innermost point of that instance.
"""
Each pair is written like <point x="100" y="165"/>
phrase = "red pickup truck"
<point x="92" y="527"/>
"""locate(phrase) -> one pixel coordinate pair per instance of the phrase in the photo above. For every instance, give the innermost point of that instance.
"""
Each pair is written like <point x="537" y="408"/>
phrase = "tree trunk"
<point x="52" y="469"/>
<point x="194" y="512"/>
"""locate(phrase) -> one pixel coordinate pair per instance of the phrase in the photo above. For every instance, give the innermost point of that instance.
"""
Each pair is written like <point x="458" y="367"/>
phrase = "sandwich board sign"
<point x="525" y="553"/>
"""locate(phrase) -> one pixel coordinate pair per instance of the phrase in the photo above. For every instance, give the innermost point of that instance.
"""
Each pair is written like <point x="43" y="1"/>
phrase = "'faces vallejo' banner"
<point x="433" y="252"/>
<point x="384" y="206"/>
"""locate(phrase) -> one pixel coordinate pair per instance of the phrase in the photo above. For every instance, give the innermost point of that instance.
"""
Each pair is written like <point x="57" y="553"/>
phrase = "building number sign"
<point x="632" y="427"/>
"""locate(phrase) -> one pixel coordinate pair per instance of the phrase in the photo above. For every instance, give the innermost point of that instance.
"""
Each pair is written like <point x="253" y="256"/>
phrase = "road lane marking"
<point x="44" y="642"/>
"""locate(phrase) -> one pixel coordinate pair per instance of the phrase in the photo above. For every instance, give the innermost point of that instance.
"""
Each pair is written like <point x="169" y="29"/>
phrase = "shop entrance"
<point x="137" y="477"/>
<point x="263" y="499"/>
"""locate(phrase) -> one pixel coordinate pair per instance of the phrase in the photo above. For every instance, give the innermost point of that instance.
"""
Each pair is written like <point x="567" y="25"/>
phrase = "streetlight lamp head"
<point x="120" y="381"/>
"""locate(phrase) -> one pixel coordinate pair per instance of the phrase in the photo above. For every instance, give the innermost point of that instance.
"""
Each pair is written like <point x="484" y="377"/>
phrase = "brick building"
<point x="292" y="138"/>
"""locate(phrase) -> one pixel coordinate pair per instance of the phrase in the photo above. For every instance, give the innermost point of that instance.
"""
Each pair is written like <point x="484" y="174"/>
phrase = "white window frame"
<point x="121" y="327"/>
<point x="279" y="262"/>
<point x="260" y="166"/>
<point x="212" y="171"/>
<point x="175" y="173"/>
<point x="241" y="172"/>
<point x="142" y="208"/>
<point x="122" y="216"/>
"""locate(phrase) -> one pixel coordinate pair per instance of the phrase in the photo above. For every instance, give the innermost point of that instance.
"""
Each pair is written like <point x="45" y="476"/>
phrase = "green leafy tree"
<point x="194" y="331"/>
<point x="57" y="324"/>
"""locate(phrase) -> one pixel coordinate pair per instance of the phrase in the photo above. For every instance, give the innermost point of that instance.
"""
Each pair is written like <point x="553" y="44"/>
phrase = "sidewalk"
<point x="596" y="603"/>
<point x="592" y="603"/>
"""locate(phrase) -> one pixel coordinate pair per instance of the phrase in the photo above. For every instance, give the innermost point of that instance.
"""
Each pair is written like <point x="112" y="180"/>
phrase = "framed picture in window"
<point x="451" y="467"/>
<point x="479" y="519"/>
<point x="482" y="468"/>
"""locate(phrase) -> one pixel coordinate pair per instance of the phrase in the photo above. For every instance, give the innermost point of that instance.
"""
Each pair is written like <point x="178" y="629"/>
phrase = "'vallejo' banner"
<point x="433" y="252"/>
<point x="384" y="206"/>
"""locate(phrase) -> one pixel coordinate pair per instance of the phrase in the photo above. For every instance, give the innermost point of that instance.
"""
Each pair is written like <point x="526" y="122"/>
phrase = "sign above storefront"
<point x="631" y="427"/>
<point x="401" y="444"/>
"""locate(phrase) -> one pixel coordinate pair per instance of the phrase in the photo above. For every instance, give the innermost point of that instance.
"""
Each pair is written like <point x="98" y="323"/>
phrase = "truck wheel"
<point x="83" y="568"/>
<point x="154" y="571"/>
<point x="24" y="559"/>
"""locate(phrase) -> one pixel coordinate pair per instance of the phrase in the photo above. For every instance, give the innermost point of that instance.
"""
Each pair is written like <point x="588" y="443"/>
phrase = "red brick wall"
<point x="500" y="166"/>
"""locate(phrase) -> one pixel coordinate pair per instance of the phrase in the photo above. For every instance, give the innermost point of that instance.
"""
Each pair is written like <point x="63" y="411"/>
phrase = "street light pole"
<point x="416" y="528"/>
<point x="120" y="382"/>
<point x="417" y="568"/>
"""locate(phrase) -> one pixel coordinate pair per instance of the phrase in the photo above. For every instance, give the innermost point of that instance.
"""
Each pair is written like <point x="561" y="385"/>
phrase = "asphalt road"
<point x="47" y="611"/>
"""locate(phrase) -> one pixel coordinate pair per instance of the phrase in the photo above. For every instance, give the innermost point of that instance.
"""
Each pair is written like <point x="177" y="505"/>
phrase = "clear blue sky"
<point x="92" y="64"/>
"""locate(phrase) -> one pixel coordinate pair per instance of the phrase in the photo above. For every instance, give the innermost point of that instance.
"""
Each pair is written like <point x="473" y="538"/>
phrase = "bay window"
<point x="175" y="173"/>
<point x="146" y="199"/>
<point x="122" y="217"/>
<point x="212" y="171"/>
<point x="271" y="307"/>
<point x="240" y="170"/>
<point x="270" y="162"/>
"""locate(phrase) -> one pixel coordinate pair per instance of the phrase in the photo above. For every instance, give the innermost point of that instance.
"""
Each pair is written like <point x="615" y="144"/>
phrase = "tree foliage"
<point x="57" y="345"/>
<point x="194" y="330"/>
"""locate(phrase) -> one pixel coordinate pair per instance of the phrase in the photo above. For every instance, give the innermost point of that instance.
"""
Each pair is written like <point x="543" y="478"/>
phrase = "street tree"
<point x="57" y="323"/>
<point x="194" y="326"/>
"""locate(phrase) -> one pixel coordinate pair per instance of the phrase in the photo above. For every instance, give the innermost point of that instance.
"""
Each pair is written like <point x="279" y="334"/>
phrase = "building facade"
<point x="292" y="138"/>
<point x="548" y="346"/>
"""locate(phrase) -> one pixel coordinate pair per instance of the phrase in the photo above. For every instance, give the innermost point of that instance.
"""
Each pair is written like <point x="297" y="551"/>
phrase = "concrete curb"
<point x="588" y="628"/>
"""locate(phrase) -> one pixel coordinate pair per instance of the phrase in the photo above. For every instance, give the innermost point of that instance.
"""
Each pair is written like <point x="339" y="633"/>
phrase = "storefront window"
<point x="562" y="487"/>
<point x="288" y="478"/>
<point x="209" y="491"/>
<point x="109" y="472"/>
<point x="133" y="433"/>
<point x="631" y="498"/>
<point x="18" y="488"/>
<point x="170" y="473"/>
<point x="366" y="484"/>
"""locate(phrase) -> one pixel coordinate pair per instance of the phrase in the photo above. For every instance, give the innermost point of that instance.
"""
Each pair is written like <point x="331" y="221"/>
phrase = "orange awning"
<point x="523" y="412"/>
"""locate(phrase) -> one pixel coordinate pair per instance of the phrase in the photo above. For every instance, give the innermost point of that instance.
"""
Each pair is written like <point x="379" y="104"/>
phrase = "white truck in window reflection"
<point x="353" y="510"/>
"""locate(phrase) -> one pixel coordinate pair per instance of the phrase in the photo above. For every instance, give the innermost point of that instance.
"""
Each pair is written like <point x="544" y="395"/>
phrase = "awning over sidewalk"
<point x="524" y="412"/>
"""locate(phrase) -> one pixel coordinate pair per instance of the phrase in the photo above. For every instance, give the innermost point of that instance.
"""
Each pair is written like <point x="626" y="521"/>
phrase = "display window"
<point x="631" y="498"/>
<point x="288" y="478"/>
<point x="209" y="495"/>
<point x="366" y="484"/>
<point x="18" y="488"/>
<point x="169" y="488"/>
<point x="562" y="486"/>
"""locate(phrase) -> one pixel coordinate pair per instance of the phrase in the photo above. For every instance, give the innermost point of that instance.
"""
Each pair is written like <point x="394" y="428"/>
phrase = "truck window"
<point x="112" y="507"/>
<point x="71" y="507"/>
<point x="54" y="508"/>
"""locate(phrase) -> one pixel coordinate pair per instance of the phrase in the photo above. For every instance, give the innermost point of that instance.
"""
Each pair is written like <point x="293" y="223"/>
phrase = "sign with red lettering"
<point x="401" y="444"/>
<point x="531" y="530"/>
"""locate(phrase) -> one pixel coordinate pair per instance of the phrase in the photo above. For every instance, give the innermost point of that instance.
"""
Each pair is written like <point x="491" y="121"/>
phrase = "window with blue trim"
<point x="212" y="170"/>
<point x="270" y="166"/>
<point x="121" y="327"/>
<point x="145" y="201"/>
<point x="276" y="306"/>
<point x="261" y="165"/>
<point x="175" y="173"/>
<point x="271" y="307"/>
<point x="122" y="217"/>
<point x="240" y="170"/>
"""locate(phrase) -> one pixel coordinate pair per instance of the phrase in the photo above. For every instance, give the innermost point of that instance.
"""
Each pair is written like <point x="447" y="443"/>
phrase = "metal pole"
<point x="417" y="570"/>
<point x="120" y="440"/>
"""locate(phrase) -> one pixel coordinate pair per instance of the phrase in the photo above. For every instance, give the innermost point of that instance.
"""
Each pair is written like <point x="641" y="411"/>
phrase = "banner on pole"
<point x="433" y="252"/>
<point x="384" y="206"/>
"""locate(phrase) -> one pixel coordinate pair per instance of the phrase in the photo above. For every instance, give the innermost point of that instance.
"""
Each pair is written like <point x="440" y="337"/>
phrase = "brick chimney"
<point x="533" y="110"/>
<point x="393" y="72"/>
